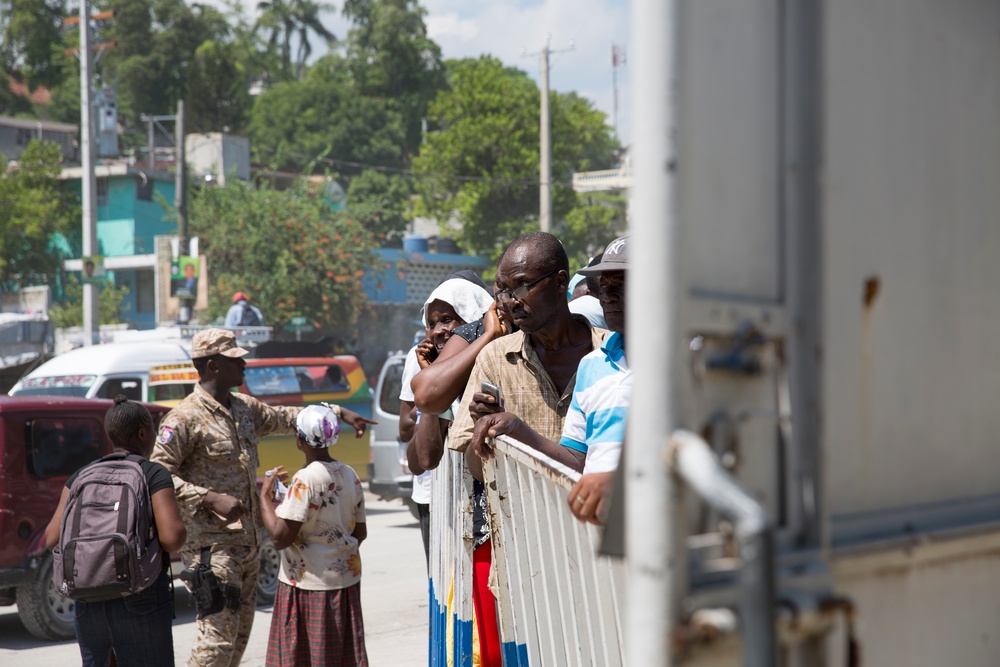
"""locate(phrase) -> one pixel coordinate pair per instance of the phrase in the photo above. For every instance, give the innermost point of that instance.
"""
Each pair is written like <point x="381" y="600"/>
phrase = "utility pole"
<point x="617" y="60"/>
<point x="545" y="150"/>
<point x="91" y="301"/>
<point x="180" y="203"/>
<point x="545" y="141"/>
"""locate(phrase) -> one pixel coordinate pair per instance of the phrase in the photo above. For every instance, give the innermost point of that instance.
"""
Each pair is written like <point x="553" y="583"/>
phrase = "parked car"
<point x="388" y="474"/>
<point x="43" y="440"/>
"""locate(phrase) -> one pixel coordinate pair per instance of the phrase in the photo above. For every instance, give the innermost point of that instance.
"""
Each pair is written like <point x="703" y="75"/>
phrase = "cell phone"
<point x="492" y="390"/>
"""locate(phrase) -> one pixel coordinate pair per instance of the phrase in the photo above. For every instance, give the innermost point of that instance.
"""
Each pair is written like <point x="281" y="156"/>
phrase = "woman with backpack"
<point x="317" y="528"/>
<point x="133" y="626"/>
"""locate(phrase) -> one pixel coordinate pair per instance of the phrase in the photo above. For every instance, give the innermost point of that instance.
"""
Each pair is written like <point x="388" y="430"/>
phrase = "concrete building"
<point x="16" y="133"/>
<point x="130" y="215"/>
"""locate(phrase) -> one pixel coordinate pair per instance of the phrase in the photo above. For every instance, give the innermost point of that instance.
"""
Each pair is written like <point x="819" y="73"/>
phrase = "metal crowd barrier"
<point x="451" y="640"/>
<point x="559" y="603"/>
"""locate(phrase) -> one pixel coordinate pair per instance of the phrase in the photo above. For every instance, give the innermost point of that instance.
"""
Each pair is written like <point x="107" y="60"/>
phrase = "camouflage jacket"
<point x="208" y="448"/>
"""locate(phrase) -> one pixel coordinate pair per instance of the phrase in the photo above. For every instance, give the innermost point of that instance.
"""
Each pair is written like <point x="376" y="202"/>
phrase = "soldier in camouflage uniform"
<point x="209" y="445"/>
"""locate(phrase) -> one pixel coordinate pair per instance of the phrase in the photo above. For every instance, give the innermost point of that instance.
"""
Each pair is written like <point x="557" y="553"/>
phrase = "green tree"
<point x="391" y="57"/>
<point x="156" y="42"/>
<point x="487" y="137"/>
<point x="295" y="122"/>
<point x="288" y="19"/>
<point x="288" y="248"/>
<point x="11" y="104"/>
<point x="591" y="225"/>
<point x="111" y="304"/>
<point x="33" y="208"/>
<point x="218" y="89"/>
<point x="381" y="201"/>
<point x="32" y="39"/>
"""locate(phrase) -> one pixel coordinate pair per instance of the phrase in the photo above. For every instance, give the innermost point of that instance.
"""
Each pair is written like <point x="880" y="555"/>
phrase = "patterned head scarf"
<point x="318" y="426"/>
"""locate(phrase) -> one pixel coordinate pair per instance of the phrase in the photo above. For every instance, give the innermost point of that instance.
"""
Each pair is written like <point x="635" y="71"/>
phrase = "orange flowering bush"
<point x="268" y="243"/>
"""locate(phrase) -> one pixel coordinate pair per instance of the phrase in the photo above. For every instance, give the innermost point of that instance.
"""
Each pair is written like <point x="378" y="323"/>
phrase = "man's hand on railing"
<point x="506" y="423"/>
<point x="490" y="426"/>
<point x="588" y="499"/>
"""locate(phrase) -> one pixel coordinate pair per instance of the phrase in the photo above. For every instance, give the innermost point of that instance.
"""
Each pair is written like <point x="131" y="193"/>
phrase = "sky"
<point x="506" y="28"/>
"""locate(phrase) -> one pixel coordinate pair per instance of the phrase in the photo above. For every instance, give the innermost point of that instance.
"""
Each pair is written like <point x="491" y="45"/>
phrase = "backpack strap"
<point x="206" y="556"/>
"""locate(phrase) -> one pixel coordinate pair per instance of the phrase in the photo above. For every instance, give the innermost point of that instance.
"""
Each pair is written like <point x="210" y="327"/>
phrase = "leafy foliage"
<point x="218" y="89"/>
<point x="298" y="121"/>
<point x="156" y="42"/>
<point x="69" y="313"/>
<point x="390" y="56"/>
<point x="32" y="32"/>
<point x="288" y="19"/>
<point x="289" y="249"/>
<point x="381" y="201"/>
<point x="33" y="208"/>
<point x="590" y="226"/>
<point x="488" y="137"/>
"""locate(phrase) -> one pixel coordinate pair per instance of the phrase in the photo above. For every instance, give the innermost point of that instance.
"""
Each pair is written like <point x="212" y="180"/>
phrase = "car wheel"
<point x="45" y="612"/>
<point x="267" y="578"/>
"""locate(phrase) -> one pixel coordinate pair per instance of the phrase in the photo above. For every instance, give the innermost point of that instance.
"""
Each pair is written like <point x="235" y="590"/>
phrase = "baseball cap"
<point x="318" y="425"/>
<point x="615" y="258"/>
<point x="215" y="341"/>
<point x="240" y="296"/>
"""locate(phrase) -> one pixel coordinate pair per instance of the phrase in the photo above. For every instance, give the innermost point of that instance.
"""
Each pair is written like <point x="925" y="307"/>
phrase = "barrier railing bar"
<point x="578" y="581"/>
<point x="509" y="582"/>
<point x="559" y="574"/>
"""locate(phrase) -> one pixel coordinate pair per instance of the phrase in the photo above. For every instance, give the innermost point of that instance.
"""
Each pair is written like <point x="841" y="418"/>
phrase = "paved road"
<point x="393" y="595"/>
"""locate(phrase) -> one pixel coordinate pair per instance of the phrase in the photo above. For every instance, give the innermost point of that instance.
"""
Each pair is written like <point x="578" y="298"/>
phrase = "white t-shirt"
<point x="328" y="499"/>
<point x="421" y="483"/>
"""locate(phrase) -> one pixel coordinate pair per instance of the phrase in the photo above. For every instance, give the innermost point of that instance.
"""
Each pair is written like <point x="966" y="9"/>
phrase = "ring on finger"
<point x="581" y="499"/>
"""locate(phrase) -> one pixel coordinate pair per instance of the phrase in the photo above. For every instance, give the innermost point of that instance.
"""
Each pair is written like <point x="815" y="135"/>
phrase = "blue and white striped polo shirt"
<point x="595" y="423"/>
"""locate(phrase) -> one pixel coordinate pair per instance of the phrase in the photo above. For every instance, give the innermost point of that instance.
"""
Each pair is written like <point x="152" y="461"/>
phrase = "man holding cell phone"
<point x="534" y="369"/>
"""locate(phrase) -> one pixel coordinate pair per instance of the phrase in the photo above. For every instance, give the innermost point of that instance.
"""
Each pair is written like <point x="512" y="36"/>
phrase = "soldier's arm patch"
<point x="166" y="435"/>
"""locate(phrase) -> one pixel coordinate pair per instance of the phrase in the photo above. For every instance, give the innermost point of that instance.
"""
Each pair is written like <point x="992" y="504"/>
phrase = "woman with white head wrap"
<point x="435" y="389"/>
<point x="317" y="529"/>
<point x="453" y="303"/>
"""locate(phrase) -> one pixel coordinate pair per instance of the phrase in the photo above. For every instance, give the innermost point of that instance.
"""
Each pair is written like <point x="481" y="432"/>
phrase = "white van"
<point x="388" y="474"/>
<point x="102" y="371"/>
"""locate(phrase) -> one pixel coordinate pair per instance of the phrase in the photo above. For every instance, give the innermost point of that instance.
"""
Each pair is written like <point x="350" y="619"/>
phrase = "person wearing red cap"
<point x="242" y="314"/>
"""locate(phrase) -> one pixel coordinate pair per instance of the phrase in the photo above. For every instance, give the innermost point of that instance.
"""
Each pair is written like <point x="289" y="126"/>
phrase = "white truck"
<point x="817" y="189"/>
<point x="813" y="301"/>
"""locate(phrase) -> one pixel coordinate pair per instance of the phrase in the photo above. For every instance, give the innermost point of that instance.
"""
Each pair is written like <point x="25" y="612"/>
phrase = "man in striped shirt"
<point x="595" y="423"/>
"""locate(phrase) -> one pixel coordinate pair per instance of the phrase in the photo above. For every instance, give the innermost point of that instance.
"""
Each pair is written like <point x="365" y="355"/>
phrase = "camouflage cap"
<point x="215" y="341"/>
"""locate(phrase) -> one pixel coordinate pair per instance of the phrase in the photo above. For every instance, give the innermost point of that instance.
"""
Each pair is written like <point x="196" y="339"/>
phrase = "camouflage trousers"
<point x="222" y="637"/>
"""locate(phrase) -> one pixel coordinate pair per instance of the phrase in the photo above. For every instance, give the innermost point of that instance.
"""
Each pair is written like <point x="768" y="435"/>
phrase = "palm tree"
<point x="286" y="19"/>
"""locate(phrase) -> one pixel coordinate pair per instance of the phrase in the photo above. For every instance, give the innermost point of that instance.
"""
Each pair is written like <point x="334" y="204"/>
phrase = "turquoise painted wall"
<point x="127" y="225"/>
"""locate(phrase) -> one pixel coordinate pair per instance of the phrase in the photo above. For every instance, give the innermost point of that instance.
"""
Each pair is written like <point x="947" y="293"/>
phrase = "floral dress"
<point x="327" y="498"/>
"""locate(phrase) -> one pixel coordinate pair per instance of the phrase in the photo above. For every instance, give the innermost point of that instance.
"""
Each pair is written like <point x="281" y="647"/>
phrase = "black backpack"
<point x="108" y="546"/>
<point x="250" y="318"/>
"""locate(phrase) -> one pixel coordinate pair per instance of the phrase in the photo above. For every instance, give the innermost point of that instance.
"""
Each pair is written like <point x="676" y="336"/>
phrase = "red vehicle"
<point x="42" y="442"/>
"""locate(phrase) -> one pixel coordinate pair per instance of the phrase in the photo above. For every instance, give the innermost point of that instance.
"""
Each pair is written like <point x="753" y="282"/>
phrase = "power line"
<point x="527" y="182"/>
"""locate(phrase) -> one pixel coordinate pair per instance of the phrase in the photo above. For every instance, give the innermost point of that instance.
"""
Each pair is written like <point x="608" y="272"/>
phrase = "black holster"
<point x="210" y="595"/>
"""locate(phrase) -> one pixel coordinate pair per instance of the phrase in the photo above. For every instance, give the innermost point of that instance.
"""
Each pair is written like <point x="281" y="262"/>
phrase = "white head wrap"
<point x="469" y="300"/>
<point x="318" y="425"/>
